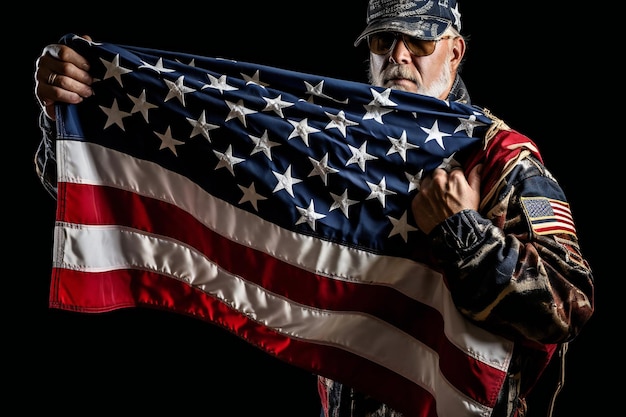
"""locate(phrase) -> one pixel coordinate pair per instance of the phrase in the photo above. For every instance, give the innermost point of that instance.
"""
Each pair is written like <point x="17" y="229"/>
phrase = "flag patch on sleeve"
<point x="548" y="216"/>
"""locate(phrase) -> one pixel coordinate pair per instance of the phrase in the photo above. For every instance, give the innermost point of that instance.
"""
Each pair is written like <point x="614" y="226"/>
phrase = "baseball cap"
<point x="424" y="19"/>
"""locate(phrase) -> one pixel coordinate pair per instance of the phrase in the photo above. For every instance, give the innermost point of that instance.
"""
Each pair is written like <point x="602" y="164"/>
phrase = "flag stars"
<point x="177" y="89"/>
<point x="340" y="122"/>
<point x="168" y="141"/>
<point x="342" y="202"/>
<point x="251" y="196"/>
<point x="238" y="111"/>
<point x="322" y="168"/>
<point x="219" y="84"/>
<point x="435" y="134"/>
<point x="317" y="91"/>
<point x="401" y="227"/>
<point x="141" y="105"/>
<point x="114" y="115"/>
<point x="285" y="181"/>
<point x="201" y="127"/>
<point x="414" y="180"/>
<point x="158" y="67"/>
<point x="308" y="215"/>
<point x="379" y="191"/>
<point x="400" y="145"/>
<point x="276" y="105"/>
<point x="302" y="130"/>
<point x="382" y="99"/>
<point x="376" y="108"/>
<point x="449" y="163"/>
<point x="114" y="70"/>
<point x="227" y="160"/>
<point x="255" y="80"/>
<point x="263" y="144"/>
<point x="360" y="156"/>
<point x="468" y="125"/>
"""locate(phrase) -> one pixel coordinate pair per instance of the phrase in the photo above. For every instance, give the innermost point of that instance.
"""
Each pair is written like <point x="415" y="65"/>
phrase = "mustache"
<point x="398" y="71"/>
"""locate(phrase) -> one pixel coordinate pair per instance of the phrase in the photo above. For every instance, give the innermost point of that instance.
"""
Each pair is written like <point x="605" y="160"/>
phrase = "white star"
<point x="379" y="191"/>
<point x="376" y="108"/>
<point x="276" y="105"/>
<point x="285" y="181"/>
<point x="340" y="122"/>
<point x="342" y="202"/>
<point x="177" y="89"/>
<point x="263" y="144"/>
<point x="219" y="84"/>
<point x="167" y="141"/>
<point x="449" y="163"/>
<point x="322" y="169"/>
<point x="360" y="156"/>
<point x="316" y="91"/>
<point x="254" y="79"/>
<point x="114" y="69"/>
<point x="414" y="180"/>
<point x="302" y="129"/>
<point x="114" y="115"/>
<point x="468" y="125"/>
<point x="400" y="145"/>
<point x="382" y="99"/>
<point x="375" y="112"/>
<point x="401" y="227"/>
<point x="250" y="195"/>
<point x="227" y="160"/>
<point x="238" y="111"/>
<point x="309" y="215"/>
<point x="201" y="127"/>
<point x="435" y="134"/>
<point x="141" y="105"/>
<point x="158" y="67"/>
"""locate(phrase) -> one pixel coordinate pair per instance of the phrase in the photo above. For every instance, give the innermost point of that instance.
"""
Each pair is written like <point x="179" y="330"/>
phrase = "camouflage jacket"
<point x="514" y="267"/>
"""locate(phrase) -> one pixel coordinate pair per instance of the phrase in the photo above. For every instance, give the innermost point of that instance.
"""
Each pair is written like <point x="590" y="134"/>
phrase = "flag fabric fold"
<point x="275" y="204"/>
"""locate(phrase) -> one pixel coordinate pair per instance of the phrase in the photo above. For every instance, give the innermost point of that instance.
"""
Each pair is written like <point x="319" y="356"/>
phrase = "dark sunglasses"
<point x="382" y="42"/>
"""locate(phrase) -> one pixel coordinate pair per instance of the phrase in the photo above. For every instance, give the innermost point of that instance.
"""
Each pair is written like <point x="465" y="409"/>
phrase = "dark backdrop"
<point x="521" y="64"/>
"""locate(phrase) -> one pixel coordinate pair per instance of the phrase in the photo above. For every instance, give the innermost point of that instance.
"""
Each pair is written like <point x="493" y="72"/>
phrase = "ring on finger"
<point x="52" y="78"/>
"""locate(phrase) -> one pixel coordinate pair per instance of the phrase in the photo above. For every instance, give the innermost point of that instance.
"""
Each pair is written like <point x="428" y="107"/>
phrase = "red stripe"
<point x="156" y="291"/>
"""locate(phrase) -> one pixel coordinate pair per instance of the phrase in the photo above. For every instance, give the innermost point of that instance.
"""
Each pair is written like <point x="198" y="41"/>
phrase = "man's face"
<point x="431" y="75"/>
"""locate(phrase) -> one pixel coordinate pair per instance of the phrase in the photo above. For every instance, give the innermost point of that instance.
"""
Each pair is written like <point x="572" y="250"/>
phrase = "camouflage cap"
<point x="424" y="19"/>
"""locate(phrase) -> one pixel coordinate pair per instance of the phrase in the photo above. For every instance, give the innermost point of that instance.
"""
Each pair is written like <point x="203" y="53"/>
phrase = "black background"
<point x="522" y="63"/>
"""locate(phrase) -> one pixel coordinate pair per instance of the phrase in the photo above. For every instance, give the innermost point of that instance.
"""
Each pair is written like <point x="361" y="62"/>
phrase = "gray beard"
<point x="436" y="89"/>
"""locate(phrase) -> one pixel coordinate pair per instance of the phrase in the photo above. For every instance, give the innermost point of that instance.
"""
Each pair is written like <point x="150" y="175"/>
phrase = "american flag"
<point x="549" y="216"/>
<point x="275" y="204"/>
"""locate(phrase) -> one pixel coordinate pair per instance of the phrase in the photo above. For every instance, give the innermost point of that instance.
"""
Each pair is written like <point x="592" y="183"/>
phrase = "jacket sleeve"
<point x="45" y="156"/>
<point x="516" y="267"/>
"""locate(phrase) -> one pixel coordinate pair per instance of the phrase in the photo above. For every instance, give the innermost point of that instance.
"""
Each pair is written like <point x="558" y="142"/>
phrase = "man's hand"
<point x="61" y="74"/>
<point x="443" y="194"/>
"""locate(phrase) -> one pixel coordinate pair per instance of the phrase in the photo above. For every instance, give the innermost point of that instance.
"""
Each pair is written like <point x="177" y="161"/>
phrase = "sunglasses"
<point x="382" y="42"/>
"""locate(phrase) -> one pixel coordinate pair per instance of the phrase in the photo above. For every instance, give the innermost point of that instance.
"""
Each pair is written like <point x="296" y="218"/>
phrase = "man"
<point x="506" y="273"/>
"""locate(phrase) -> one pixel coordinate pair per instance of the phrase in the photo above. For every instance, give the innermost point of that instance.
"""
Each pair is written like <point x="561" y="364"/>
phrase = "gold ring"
<point x="52" y="77"/>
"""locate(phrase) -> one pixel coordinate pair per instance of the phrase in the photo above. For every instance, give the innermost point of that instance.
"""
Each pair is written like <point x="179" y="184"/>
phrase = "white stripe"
<point x="112" y="248"/>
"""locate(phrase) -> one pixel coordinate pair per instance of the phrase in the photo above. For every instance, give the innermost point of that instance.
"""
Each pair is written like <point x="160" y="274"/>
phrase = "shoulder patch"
<point x="548" y="216"/>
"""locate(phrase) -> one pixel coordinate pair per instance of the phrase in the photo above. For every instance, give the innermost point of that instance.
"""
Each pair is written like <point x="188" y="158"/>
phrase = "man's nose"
<point x="400" y="53"/>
